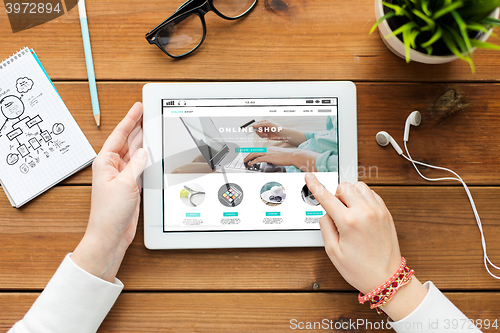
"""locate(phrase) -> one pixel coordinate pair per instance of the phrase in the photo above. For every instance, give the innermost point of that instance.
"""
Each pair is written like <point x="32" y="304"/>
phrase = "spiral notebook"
<point x="40" y="142"/>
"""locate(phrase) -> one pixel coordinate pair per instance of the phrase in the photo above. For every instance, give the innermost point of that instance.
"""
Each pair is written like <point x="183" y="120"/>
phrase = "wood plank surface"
<point x="279" y="40"/>
<point x="459" y="127"/>
<point x="436" y="228"/>
<point x="249" y="290"/>
<point x="242" y="312"/>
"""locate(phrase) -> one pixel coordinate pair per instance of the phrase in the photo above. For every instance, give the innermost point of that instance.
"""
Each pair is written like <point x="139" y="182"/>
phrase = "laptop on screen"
<point x="216" y="152"/>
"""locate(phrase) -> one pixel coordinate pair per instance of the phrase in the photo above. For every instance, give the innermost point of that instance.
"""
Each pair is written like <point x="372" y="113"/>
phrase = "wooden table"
<point x="250" y="290"/>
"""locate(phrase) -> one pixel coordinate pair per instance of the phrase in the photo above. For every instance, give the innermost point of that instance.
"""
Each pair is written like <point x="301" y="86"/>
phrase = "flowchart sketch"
<point x="23" y="150"/>
<point x="34" y="143"/>
<point x="40" y="141"/>
<point x="12" y="107"/>
<point x="24" y="168"/>
<point x="34" y="121"/>
<point x="14" y="134"/>
<point x="46" y="136"/>
<point x="24" y="84"/>
<point x="57" y="128"/>
<point x="12" y="159"/>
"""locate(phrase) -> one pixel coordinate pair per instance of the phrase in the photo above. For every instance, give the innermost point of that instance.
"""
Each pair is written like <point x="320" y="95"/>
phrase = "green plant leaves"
<point x="430" y="22"/>
<point x="425" y="8"/>
<point x="478" y="10"/>
<point x="484" y="45"/>
<point x="447" y="9"/>
<point x="490" y="21"/>
<point x="452" y="39"/>
<point x="399" y="10"/>
<point x="446" y="23"/>
<point x="463" y="30"/>
<point x="380" y="20"/>
<point x="403" y="29"/>
<point x="477" y="27"/>
<point x="437" y="35"/>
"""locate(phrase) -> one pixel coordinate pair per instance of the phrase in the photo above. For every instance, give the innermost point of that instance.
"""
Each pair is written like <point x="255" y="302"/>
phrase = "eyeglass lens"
<point x="182" y="35"/>
<point x="186" y="32"/>
<point x="233" y="8"/>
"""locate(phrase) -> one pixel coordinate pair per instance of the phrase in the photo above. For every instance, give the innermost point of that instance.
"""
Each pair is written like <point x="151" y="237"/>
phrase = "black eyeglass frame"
<point x="183" y="12"/>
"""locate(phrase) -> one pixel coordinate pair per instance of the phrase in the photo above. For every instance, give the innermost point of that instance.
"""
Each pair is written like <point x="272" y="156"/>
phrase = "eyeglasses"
<point x="185" y="31"/>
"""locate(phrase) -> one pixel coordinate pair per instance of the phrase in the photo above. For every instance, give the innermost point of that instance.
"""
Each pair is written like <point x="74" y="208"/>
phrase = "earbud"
<point x="413" y="119"/>
<point x="383" y="138"/>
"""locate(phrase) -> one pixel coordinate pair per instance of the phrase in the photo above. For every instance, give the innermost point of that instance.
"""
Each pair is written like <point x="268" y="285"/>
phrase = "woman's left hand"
<point x="116" y="190"/>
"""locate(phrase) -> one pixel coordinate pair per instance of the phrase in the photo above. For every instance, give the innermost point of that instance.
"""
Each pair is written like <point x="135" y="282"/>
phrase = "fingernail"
<point x="141" y="153"/>
<point x="310" y="176"/>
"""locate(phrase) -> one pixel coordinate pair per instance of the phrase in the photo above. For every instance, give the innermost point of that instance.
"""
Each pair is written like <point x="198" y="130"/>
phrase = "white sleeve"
<point x="73" y="301"/>
<point x="436" y="313"/>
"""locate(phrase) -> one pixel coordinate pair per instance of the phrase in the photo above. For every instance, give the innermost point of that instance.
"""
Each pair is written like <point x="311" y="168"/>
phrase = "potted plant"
<point x="436" y="31"/>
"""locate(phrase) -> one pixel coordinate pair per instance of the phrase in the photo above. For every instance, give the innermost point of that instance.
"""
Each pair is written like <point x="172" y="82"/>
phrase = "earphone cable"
<point x="469" y="195"/>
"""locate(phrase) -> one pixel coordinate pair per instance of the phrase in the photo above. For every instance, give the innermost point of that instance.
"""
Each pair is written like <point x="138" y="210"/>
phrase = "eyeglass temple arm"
<point x="182" y="7"/>
<point x="185" y="4"/>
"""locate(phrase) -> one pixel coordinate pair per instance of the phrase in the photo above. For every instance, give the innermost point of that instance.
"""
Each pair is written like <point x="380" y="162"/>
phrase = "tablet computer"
<point x="227" y="161"/>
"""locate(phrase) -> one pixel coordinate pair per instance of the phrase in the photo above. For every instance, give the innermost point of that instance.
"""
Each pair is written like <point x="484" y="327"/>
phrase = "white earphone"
<point x="383" y="138"/>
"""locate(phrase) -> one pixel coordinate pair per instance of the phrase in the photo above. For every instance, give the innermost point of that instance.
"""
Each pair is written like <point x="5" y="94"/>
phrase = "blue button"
<point x="273" y="213"/>
<point x="230" y="214"/>
<point x="251" y="150"/>
<point x="314" y="213"/>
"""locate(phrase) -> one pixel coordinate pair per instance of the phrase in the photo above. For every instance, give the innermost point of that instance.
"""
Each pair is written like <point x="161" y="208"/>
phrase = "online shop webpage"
<point x="239" y="164"/>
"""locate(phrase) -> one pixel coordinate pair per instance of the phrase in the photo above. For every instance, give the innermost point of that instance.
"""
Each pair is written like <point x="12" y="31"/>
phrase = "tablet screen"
<point x="239" y="164"/>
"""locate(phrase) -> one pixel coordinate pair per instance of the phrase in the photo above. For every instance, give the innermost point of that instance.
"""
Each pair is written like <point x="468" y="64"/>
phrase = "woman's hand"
<point x="274" y="155"/>
<point x="116" y="189"/>
<point x="303" y="159"/>
<point x="360" y="239"/>
<point x="359" y="234"/>
<point x="272" y="131"/>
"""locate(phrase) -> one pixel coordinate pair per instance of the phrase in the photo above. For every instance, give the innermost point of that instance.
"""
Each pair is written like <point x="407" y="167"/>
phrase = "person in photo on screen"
<point x="314" y="151"/>
<point x="358" y="231"/>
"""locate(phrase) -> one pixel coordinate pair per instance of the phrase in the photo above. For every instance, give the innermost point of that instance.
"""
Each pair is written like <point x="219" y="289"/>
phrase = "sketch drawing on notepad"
<point x="40" y="142"/>
<point x="29" y="135"/>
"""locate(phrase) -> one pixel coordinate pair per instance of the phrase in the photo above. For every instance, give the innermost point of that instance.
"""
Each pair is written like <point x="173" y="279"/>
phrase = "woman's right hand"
<point x="359" y="233"/>
<point x="270" y="130"/>
<point x="360" y="239"/>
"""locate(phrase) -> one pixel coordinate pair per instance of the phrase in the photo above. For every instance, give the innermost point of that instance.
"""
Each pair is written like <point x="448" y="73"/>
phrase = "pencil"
<point x="89" y="61"/>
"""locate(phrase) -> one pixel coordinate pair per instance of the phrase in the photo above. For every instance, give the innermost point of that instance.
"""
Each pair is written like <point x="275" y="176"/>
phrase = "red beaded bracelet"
<point x="383" y="294"/>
